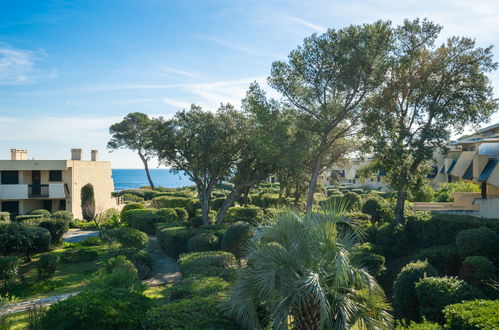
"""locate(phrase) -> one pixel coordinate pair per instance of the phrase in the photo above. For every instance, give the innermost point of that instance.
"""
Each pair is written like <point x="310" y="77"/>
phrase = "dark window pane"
<point x="10" y="177"/>
<point x="55" y="175"/>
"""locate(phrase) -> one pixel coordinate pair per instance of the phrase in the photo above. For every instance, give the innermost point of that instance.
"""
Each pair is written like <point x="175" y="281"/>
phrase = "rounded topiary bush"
<point x="44" y="213"/>
<point x="182" y="214"/>
<point x="405" y="301"/>
<point x="98" y="309"/>
<point x="353" y="201"/>
<point x="203" y="242"/>
<point x="475" y="314"/>
<point x="127" y="207"/>
<point x="478" y="270"/>
<point x="47" y="265"/>
<point x="236" y="237"/>
<point x="434" y="293"/>
<point x="373" y="207"/>
<point x="62" y="215"/>
<point x="252" y="214"/>
<point x="443" y="257"/>
<point x="199" y="287"/>
<point x="57" y="229"/>
<point x="209" y="263"/>
<point x="392" y="240"/>
<point x="477" y="242"/>
<point x="127" y="237"/>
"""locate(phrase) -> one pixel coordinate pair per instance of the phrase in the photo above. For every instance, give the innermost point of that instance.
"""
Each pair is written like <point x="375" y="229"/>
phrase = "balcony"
<point x="28" y="191"/>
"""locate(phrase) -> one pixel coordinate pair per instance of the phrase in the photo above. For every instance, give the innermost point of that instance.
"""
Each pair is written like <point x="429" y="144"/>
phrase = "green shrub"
<point x="209" y="263"/>
<point x="236" y="237"/>
<point x="373" y="262"/>
<point x="173" y="240"/>
<point x="425" y="325"/>
<point x="434" y="293"/>
<point x="91" y="241"/>
<point x="128" y="237"/>
<point x="57" y="229"/>
<point x="353" y="202"/>
<point x="442" y="257"/>
<point x="266" y="200"/>
<point x="440" y="229"/>
<point x="189" y="314"/>
<point x="98" y="309"/>
<point x="477" y="242"/>
<point x="131" y="198"/>
<point x="47" y="265"/>
<point x="62" y="215"/>
<point x="203" y="242"/>
<point x="182" y="214"/>
<point x="444" y="192"/>
<point x="424" y="193"/>
<point x="216" y="203"/>
<point x="405" y="302"/>
<point x="142" y="260"/>
<point x="478" y="270"/>
<point x="40" y="238"/>
<point x="252" y="214"/>
<point x="199" y="287"/>
<point x="189" y="204"/>
<point x="29" y="219"/>
<point x="145" y="219"/>
<point x="44" y="213"/>
<point x="15" y="237"/>
<point x="373" y="207"/>
<point x="9" y="268"/>
<point x="473" y="315"/>
<point x="79" y="255"/>
<point x="128" y="207"/>
<point x="392" y="240"/>
<point x="4" y="216"/>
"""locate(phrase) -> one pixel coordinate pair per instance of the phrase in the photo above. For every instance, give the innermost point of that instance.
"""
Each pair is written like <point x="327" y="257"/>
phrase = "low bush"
<point x="127" y="237"/>
<point x="425" y="325"/>
<point x="79" y="255"/>
<point x="373" y="207"/>
<point x="4" y="216"/>
<point x="471" y="315"/>
<point x="182" y="214"/>
<point x="15" y="237"/>
<point x="47" y="265"/>
<point x="266" y="200"/>
<point x="373" y="262"/>
<point x="142" y="260"/>
<point x="98" y="309"/>
<point x="173" y="240"/>
<point x="62" y="215"/>
<point x="478" y="270"/>
<point x="91" y="241"/>
<point x="39" y="238"/>
<point x="392" y="240"/>
<point x="405" y="301"/>
<point x="210" y="263"/>
<point x="236" y="237"/>
<point x="444" y="192"/>
<point x="352" y="200"/>
<point x="199" y="287"/>
<point x="42" y="212"/>
<point x="29" y="219"/>
<point x="190" y="314"/>
<point x="9" y="268"/>
<point x="145" y="219"/>
<point x="203" y="242"/>
<point x="440" y="229"/>
<point x="434" y="293"/>
<point x="252" y="214"/>
<point x="128" y="207"/>
<point x="189" y="204"/>
<point x="442" y="257"/>
<point x="132" y="198"/>
<point x="57" y="229"/>
<point x="477" y="242"/>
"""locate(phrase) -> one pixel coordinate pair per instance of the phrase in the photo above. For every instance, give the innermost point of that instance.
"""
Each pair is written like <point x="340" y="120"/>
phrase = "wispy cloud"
<point x="17" y="67"/>
<point x="305" y="23"/>
<point x="240" y="47"/>
<point x="180" y="72"/>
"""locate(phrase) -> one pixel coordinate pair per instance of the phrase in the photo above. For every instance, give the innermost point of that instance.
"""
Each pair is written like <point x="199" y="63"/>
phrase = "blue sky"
<point x="69" y="69"/>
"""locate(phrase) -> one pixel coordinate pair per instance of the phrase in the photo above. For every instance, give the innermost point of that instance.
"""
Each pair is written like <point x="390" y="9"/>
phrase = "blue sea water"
<point x="136" y="178"/>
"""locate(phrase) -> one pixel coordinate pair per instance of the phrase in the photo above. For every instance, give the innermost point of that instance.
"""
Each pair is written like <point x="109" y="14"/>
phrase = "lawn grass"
<point x="69" y="277"/>
<point x="160" y="294"/>
<point x="16" y="321"/>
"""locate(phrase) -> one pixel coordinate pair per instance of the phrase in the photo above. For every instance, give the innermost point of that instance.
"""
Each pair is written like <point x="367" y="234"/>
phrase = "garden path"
<point x="76" y="235"/>
<point x="167" y="269"/>
<point x="28" y="304"/>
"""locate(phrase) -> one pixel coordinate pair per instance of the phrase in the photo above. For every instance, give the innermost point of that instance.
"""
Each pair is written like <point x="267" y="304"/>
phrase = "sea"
<point x="136" y="178"/>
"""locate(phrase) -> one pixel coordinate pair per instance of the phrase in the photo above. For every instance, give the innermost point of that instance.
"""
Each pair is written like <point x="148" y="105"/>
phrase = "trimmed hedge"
<point x="47" y="265"/>
<point x="393" y="240"/>
<point x="405" y="302"/>
<point x="440" y="229"/>
<point x="98" y="309"/>
<point x="434" y="293"/>
<point x="44" y="213"/>
<point x="182" y="214"/>
<point x="199" y="287"/>
<point x="373" y="207"/>
<point x="190" y="314"/>
<point x="62" y="215"/>
<point x="477" y="242"/>
<point x="189" y="204"/>
<point x="127" y="237"/>
<point x="471" y="315"/>
<point x="209" y="263"/>
<point x="203" y="242"/>
<point x="443" y="257"/>
<point x="173" y="240"/>
<point x="478" y="270"/>
<point x="128" y="207"/>
<point x="252" y="214"/>
<point x="236" y="237"/>
<point x="373" y="262"/>
<point x="145" y="219"/>
<point x="352" y="201"/>
<point x="57" y="229"/>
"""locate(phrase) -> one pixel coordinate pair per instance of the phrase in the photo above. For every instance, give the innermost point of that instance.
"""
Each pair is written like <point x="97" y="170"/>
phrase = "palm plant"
<point x="300" y="269"/>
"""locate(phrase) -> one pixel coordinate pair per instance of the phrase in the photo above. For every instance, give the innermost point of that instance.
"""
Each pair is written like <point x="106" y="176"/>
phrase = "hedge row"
<point x="174" y="240"/>
<point x="145" y="219"/>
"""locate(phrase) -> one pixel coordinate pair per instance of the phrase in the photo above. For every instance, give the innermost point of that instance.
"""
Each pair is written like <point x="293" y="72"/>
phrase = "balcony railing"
<point x="38" y="190"/>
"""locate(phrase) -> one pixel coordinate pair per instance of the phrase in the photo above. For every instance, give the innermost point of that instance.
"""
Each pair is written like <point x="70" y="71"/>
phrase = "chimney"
<point x="94" y="155"/>
<point x="18" y="154"/>
<point x="76" y="154"/>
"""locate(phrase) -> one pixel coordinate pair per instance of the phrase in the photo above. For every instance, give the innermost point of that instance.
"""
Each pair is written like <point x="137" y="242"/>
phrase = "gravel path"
<point x="76" y="235"/>
<point x="167" y="270"/>
<point x="26" y="305"/>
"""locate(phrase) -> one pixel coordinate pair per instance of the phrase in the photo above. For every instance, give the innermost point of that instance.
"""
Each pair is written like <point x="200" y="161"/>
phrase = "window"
<point x="10" y="177"/>
<point x="55" y="176"/>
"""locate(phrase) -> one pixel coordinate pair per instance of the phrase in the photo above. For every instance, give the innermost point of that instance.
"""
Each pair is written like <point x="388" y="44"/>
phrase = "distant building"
<point x="347" y="173"/>
<point x="53" y="185"/>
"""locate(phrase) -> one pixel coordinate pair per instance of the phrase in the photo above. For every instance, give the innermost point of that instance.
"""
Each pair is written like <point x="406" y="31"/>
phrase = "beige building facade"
<point x="53" y="185"/>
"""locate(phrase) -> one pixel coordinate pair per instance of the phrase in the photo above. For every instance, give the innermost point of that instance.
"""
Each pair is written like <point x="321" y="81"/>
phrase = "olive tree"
<point x="327" y="79"/>
<point x="429" y="90"/>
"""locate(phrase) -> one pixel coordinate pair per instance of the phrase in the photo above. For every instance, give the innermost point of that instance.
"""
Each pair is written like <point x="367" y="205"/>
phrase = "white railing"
<point x="22" y="191"/>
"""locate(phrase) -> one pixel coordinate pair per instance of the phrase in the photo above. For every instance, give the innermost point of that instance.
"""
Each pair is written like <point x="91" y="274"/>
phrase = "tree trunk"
<point x="234" y="194"/>
<point x="205" y="206"/>
<point x="307" y="315"/>
<point x="146" y="167"/>
<point x="313" y="184"/>
<point x="399" y="207"/>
